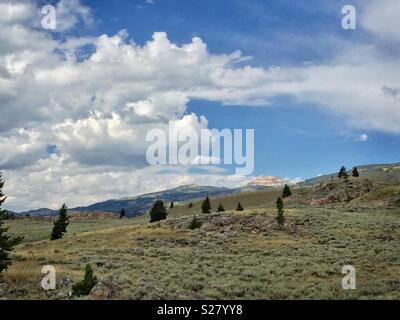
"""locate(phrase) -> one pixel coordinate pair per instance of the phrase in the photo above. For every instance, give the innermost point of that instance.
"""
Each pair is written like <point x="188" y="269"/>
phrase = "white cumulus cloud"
<point x="96" y="108"/>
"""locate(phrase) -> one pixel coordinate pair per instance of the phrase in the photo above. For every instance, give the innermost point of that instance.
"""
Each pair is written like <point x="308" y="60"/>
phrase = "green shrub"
<point x="158" y="211"/>
<point x="206" y="206"/>
<point x="83" y="287"/>
<point x="61" y="224"/>
<point x="7" y="243"/>
<point x="286" y="191"/>
<point x="195" y="223"/>
<point x="280" y="219"/>
<point x="239" y="207"/>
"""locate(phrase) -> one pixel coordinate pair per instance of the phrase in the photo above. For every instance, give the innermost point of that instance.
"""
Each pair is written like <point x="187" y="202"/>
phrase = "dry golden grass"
<point x="234" y="255"/>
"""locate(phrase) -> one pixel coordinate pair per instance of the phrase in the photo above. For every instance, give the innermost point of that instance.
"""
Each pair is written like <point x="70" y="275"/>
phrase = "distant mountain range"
<point x="43" y="212"/>
<point x="141" y="204"/>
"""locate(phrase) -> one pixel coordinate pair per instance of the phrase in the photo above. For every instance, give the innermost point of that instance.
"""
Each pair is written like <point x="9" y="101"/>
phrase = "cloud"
<point x="21" y="148"/>
<point x="96" y="108"/>
<point x="393" y="92"/>
<point x="381" y="17"/>
<point x="16" y="12"/>
<point x="56" y="180"/>
<point x="117" y="140"/>
<point x="71" y="13"/>
<point x="362" y="137"/>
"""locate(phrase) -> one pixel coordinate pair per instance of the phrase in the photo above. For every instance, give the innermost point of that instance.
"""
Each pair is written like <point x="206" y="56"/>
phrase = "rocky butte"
<point x="267" y="181"/>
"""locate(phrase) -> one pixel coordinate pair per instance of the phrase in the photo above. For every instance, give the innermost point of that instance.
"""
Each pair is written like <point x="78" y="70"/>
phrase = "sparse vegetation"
<point x="195" y="223"/>
<point x="280" y="219"/>
<point x="342" y="173"/>
<point x="238" y="260"/>
<point x="83" y="287"/>
<point x="158" y="212"/>
<point x="61" y="224"/>
<point x="206" y="206"/>
<point x="7" y="243"/>
<point x="233" y="255"/>
<point x="122" y="213"/>
<point x="239" y="207"/>
<point x="286" y="191"/>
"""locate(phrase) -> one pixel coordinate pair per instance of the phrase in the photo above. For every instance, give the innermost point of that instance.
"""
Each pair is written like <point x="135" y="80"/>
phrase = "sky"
<point x="76" y="102"/>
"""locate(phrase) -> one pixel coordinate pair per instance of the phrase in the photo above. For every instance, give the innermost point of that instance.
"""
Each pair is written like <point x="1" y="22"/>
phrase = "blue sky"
<point x="292" y="140"/>
<point x="78" y="101"/>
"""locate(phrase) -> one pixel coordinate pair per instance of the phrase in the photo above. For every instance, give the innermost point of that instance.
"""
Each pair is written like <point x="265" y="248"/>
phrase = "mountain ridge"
<point x="140" y="204"/>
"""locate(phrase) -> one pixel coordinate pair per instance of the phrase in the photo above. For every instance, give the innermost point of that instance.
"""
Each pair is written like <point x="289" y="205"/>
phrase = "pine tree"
<point x="355" y="172"/>
<point x="158" y="212"/>
<point x="122" y="214"/>
<point x="342" y="173"/>
<point x="195" y="223"/>
<point x="220" y="208"/>
<point x="172" y="205"/>
<point x="206" y="206"/>
<point x="83" y="287"/>
<point x="280" y="219"/>
<point x="239" y="207"/>
<point x="190" y="205"/>
<point x="286" y="191"/>
<point x="61" y="224"/>
<point x="6" y="242"/>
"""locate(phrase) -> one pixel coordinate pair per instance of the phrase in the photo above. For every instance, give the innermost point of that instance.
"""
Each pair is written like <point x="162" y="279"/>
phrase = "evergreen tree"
<point x="190" y="205"/>
<point x="195" y="223"/>
<point x="220" y="208"/>
<point x="6" y="242"/>
<point x="355" y="172"/>
<point x="122" y="214"/>
<point x="239" y="207"/>
<point x="172" y="205"/>
<point x="342" y="173"/>
<point x="280" y="219"/>
<point x="206" y="206"/>
<point x="286" y="191"/>
<point x="83" y="287"/>
<point x="61" y="224"/>
<point x="158" y="212"/>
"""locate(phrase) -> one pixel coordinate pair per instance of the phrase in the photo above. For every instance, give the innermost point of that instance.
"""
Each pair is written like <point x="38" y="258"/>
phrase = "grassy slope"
<point x="234" y="255"/>
<point x="256" y="199"/>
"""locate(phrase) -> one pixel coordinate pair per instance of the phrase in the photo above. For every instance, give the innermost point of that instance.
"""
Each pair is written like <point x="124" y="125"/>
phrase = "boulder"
<point x="104" y="290"/>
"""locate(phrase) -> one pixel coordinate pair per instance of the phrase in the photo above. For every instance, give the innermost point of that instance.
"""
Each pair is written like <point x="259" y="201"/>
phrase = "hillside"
<point x="382" y="172"/>
<point x="139" y="205"/>
<point x="233" y="255"/>
<point x="135" y="206"/>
